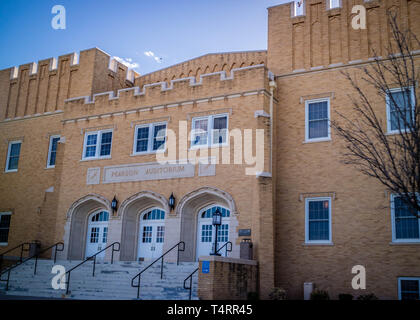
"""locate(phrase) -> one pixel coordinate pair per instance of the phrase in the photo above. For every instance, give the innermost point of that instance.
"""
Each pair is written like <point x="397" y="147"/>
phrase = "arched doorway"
<point x="97" y="233"/>
<point x="206" y="232"/>
<point x="76" y="228"/>
<point x="152" y="234"/>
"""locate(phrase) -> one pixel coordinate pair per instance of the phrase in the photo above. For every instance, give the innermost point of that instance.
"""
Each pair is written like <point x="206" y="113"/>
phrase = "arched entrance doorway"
<point x="206" y="232"/>
<point x="97" y="233"/>
<point x="152" y="234"/>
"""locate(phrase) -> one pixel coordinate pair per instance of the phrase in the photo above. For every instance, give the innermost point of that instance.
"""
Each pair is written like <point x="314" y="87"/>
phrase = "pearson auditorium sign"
<point x="142" y="172"/>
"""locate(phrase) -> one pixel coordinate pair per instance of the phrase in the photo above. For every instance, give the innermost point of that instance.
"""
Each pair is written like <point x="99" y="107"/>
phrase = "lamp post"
<point x="217" y="221"/>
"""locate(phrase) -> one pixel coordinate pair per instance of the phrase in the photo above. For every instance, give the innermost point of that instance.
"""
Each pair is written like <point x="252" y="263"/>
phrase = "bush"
<point x="320" y="295"/>
<point x="370" y="296"/>
<point x="345" y="296"/>
<point x="278" y="294"/>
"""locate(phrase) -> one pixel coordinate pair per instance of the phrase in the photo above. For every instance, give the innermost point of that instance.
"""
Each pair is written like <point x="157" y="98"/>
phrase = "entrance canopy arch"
<point x="129" y="211"/>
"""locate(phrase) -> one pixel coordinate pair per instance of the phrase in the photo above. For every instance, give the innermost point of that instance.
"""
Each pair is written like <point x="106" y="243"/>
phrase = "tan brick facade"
<point x="88" y="92"/>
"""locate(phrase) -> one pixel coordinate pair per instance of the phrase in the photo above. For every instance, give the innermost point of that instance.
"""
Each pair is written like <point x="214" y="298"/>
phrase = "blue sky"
<point x="174" y="30"/>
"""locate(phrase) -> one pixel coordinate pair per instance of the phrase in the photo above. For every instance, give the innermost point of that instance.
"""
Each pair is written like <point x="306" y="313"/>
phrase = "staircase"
<point x="111" y="281"/>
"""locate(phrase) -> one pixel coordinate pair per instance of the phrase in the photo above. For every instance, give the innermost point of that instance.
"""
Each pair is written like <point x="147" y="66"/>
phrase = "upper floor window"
<point x="149" y="138"/>
<point x="209" y="131"/>
<point x="317" y="120"/>
<point x="318" y="220"/>
<point x="405" y="222"/>
<point x="97" y="144"/>
<point x="52" y="151"/>
<point x="298" y="8"/>
<point x="4" y="227"/>
<point x="13" y="154"/>
<point x="409" y="288"/>
<point x="334" y="4"/>
<point x="400" y="109"/>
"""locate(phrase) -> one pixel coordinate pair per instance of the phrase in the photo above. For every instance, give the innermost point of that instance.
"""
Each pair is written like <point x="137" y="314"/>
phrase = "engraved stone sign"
<point x="142" y="172"/>
<point x="93" y="175"/>
<point x="206" y="169"/>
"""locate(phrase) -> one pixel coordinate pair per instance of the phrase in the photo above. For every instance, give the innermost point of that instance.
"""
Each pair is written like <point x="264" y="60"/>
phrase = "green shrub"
<point x="320" y="295"/>
<point x="278" y="294"/>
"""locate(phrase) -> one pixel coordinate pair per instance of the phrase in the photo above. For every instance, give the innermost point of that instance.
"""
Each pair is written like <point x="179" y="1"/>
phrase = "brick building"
<point x="79" y="130"/>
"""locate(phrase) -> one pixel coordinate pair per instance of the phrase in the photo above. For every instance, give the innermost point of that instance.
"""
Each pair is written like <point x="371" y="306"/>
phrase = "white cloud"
<point x="152" y="55"/>
<point x="127" y="62"/>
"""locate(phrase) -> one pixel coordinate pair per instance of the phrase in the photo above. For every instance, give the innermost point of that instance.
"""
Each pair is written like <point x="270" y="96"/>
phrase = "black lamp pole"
<point x="217" y="221"/>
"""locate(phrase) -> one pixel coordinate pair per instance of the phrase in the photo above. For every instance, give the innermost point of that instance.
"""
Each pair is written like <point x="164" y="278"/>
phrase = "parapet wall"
<point x="161" y="95"/>
<point x="324" y="37"/>
<point x="209" y="63"/>
<point x="41" y="87"/>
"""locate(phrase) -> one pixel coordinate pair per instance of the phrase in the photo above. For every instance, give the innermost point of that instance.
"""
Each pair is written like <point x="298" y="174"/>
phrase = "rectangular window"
<point x="334" y="4"/>
<point x="147" y="234"/>
<point x="298" y="8"/>
<point x="405" y="223"/>
<point x="52" y="151"/>
<point x="317" y="120"/>
<point x="4" y="227"/>
<point x="13" y="154"/>
<point x="97" y="144"/>
<point x="160" y="234"/>
<point x="409" y="288"/>
<point x="318" y="220"/>
<point x="94" y="235"/>
<point x="209" y="131"/>
<point x="150" y="138"/>
<point x="400" y="109"/>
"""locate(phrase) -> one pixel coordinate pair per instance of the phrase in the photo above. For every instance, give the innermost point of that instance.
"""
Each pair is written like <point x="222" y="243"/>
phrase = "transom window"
<point x="97" y="144"/>
<point x="4" y="227"/>
<point x="409" y="288"/>
<point x="149" y="138"/>
<point x="405" y="222"/>
<point x="52" y="151"/>
<point x="334" y="4"/>
<point x="318" y="220"/>
<point x="209" y="131"/>
<point x="13" y="154"/>
<point x="317" y="120"/>
<point x="100" y="216"/>
<point x="298" y="8"/>
<point x="400" y="109"/>
<point x="208" y="213"/>
<point x="155" y="214"/>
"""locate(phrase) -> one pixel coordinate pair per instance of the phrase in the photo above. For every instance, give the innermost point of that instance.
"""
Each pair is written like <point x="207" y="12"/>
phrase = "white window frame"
<point x="151" y="127"/>
<point x="330" y="2"/>
<point x="98" y="144"/>
<point x="307" y="241"/>
<point x="9" y="149"/>
<point x="210" y="131"/>
<point x="388" y="108"/>
<point x="307" y="102"/>
<point x="394" y="235"/>
<point x="7" y="213"/>
<point x="49" y="151"/>
<point x="405" y="278"/>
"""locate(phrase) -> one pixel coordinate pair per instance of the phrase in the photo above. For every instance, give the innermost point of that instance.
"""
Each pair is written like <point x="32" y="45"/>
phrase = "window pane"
<point x="318" y="223"/>
<point x="206" y="233"/>
<point x="160" y="234"/>
<point x="14" y="156"/>
<point x="334" y="3"/>
<point x="298" y="7"/>
<point x="318" y="119"/>
<point x="410" y="290"/>
<point x="94" y="235"/>
<point x="15" y="149"/>
<point x="200" y="132"/>
<point x="106" y="140"/>
<point x="13" y="163"/>
<point x="400" y="109"/>
<point x="406" y="223"/>
<point x="159" y="134"/>
<point x="318" y="230"/>
<point x="5" y="220"/>
<point x="142" y="139"/>
<point x="91" y="145"/>
<point x="220" y="130"/>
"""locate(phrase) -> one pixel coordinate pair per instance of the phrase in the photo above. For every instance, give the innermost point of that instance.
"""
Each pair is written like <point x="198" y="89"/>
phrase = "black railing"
<point x="36" y="255"/>
<point x="93" y="257"/>
<point x="138" y="275"/>
<point x="22" y="248"/>
<point x="228" y="248"/>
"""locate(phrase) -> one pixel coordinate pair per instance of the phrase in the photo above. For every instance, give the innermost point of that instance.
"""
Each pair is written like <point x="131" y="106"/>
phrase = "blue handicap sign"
<point x="205" y="267"/>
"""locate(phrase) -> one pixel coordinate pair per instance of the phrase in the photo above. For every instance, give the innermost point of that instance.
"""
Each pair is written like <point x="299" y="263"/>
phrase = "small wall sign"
<point x="244" y="232"/>
<point x="205" y="267"/>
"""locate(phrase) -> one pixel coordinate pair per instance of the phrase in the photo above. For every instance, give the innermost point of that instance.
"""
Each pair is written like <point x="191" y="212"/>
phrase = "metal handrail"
<point x="192" y="273"/>
<point x="36" y="255"/>
<point x="22" y="248"/>
<point x="161" y="266"/>
<point x="94" y="263"/>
